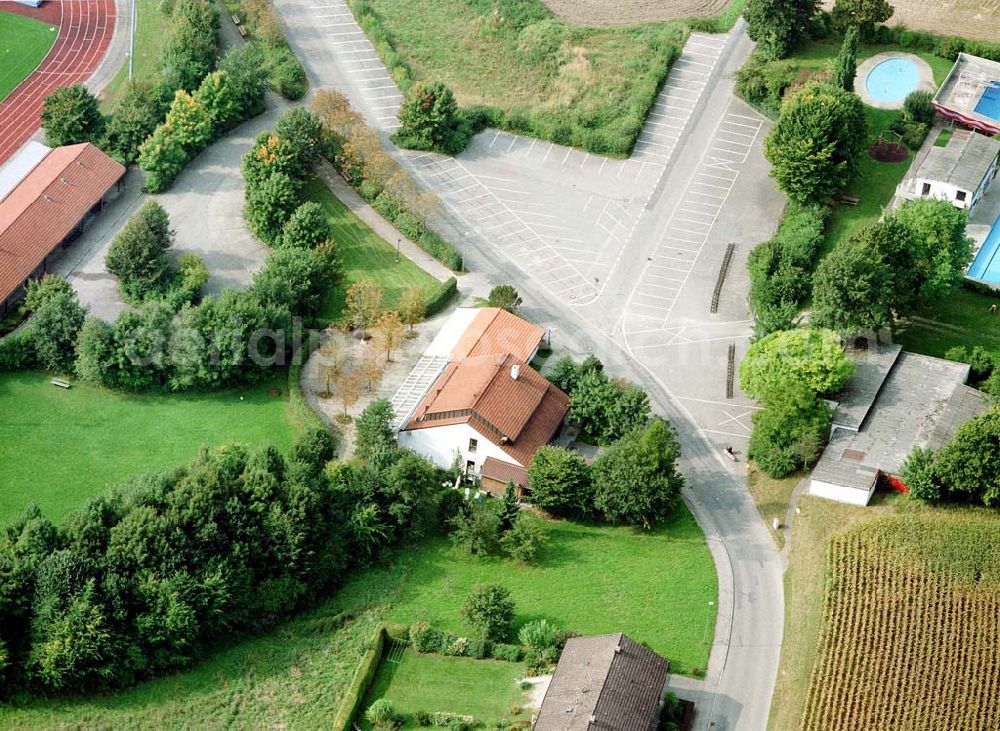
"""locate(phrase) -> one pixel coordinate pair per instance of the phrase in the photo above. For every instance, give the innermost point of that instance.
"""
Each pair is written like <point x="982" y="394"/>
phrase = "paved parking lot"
<point x="687" y="231"/>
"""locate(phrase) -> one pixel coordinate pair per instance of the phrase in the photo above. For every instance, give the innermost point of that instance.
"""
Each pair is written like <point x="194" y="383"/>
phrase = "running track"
<point x="85" y="30"/>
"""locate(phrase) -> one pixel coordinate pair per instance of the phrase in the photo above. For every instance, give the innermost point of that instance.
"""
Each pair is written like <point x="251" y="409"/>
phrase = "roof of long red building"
<point x="47" y="204"/>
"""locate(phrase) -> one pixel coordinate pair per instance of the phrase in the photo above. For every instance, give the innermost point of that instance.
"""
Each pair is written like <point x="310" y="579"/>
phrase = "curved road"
<point x="638" y="293"/>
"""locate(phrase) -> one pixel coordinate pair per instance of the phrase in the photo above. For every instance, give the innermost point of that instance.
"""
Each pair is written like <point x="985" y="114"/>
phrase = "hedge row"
<point x="439" y="298"/>
<point x="284" y="72"/>
<point x="350" y="707"/>
<point x="944" y="46"/>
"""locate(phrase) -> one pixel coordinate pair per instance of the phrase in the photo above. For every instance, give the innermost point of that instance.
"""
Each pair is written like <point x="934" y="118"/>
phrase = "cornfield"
<point x="911" y="628"/>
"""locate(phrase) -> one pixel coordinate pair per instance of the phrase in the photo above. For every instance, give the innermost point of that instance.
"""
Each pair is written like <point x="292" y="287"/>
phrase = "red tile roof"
<point x="497" y="332"/>
<point x="517" y="414"/>
<point x="495" y="469"/>
<point x="45" y="207"/>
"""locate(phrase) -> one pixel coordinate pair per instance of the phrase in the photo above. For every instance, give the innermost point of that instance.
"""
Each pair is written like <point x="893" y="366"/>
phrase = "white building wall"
<point x="439" y="444"/>
<point x="841" y="494"/>
<point x="944" y="191"/>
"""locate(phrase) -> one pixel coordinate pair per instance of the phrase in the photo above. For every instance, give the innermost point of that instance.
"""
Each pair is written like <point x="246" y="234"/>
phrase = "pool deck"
<point x="925" y="83"/>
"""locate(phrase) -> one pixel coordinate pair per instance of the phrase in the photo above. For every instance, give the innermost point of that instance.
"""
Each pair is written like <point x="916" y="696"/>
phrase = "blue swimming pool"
<point x="986" y="265"/>
<point x="892" y="79"/>
<point x="989" y="102"/>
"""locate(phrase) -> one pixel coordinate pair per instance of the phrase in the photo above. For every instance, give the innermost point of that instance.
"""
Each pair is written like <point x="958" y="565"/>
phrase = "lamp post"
<point x="708" y="615"/>
<point x="131" y="42"/>
<point x="398" y="242"/>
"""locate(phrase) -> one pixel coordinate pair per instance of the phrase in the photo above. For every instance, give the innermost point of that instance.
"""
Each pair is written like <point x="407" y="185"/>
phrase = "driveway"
<point x="622" y="259"/>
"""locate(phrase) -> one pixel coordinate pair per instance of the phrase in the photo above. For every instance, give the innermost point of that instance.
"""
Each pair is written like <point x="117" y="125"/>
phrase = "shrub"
<point x="477" y="648"/>
<point x="423" y="718"/>
<point x="381" y="714"/>
<point x="560" y="481"/>
<point x="441" y="250"/>
<point x="789" y="432"/>
<point x="270" y="205"/>
<point x="17" y="351"/>
<point x="306" y="228"/>
<point x="137" y="255"/>
<point x="439" y="298"/>
<point x="455" y="646"/>
<point x="918" y="107"/>
<point x="508" y="653"/>
<point x="505" y="297"/>
<point x="540" y="659"/>
<point x="134" y="120"/>
<point x="605" y="409"/>
<point x="430" y="120"/>
<point x="490" y="609"/>
<point x="286" y="75"/>
<point x="423" y="638"/>
<point x="525" y="540"/>
<point x="54" y="327"/>
<point x="476" y="528"/>
<point x="918" y="475"/>
<point x="538" y="634"/>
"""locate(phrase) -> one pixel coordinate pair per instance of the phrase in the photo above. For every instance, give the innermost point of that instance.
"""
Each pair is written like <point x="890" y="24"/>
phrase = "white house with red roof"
<point x="484" y="404"/>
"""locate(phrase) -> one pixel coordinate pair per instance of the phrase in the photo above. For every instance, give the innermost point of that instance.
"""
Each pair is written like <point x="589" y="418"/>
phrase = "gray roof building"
<point x="604" y="683"/>
<point x="921" y="403"/>
<point x="964" y="162"/>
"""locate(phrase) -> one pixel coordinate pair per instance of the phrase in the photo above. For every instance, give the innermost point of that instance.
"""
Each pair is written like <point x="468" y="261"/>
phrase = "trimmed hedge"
<point x="440" y="249"/>
<point x="363" y="676"/>
<point x="439" y="298"/>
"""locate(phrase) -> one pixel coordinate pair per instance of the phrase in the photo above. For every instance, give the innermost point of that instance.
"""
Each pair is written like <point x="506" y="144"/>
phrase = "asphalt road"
<point x="621" y="258"/>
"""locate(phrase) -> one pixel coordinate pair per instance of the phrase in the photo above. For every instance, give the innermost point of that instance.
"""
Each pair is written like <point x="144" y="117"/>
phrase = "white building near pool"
<point x="960" y="172"/>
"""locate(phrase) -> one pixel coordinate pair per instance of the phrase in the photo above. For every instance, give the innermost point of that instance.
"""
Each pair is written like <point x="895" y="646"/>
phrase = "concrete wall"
<point x="439" y="444"/>
<point x="841" y="494"/>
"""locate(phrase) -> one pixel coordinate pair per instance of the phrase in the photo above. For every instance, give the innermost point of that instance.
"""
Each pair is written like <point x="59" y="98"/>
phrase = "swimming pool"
<point x="986" y="265"/>
<point x="989" y="102"/>
<point x="892" y="79"/>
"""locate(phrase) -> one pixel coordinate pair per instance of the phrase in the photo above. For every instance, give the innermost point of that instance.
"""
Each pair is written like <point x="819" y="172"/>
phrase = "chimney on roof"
<point x="618" y="648"/>
<point x="62" y="179"/>
<point x="48" y="198"/>
<point x="515" y="371"/>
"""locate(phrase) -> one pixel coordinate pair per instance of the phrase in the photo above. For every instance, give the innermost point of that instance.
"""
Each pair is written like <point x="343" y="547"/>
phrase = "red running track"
<point x="85" y="30"/>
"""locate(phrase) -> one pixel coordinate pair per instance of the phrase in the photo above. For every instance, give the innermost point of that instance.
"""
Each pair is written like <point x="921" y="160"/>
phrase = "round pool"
<point x="892" y="79"/>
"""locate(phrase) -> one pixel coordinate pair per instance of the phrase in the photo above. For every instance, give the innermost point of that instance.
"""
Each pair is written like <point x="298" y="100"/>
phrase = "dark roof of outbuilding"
<point x="606" y="683"/>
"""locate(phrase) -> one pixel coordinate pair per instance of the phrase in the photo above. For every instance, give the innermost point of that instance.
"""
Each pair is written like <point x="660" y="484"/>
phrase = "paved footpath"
<point x="621" y="258"/>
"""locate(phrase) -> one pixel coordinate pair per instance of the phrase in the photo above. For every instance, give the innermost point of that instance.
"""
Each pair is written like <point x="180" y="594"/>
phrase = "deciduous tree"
<point x="429" y="118"/>
<point x="560" y="482"/>
<point x="365" y="302"/>
<point x="307" y="227"/>
<point x="505" y="297"/>
<point x="789" y="430"/>
<point x="809" y="356"/>
<point x="269" y="206"/>
<point x="490" y="609"/>
<point x="779" y="26"/>
<point x="815" y="146"/>
<point x="390" y="329"/>
<point x="412" y="306"/>
<point x="70" y="115"/>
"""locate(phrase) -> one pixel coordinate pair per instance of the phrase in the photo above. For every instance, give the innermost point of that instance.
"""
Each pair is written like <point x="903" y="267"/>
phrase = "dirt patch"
<point x="597" y="13"/>
<point x="966" y="18"/>
<point x="883" y="151"/>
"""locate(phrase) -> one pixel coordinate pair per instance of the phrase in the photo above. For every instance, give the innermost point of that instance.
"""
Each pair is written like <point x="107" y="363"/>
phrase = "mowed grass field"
<point x="963" y="318"/>
<point x="487" y="690"/>
<point x="910" y="632"/>
<point x="593" y="579"/>
<point x="24" y="42"/>
<point x="366" y="255"/>
<point x="588" y="87"/>
<point x="151" y="30"/>
<point x="58" y="447"/>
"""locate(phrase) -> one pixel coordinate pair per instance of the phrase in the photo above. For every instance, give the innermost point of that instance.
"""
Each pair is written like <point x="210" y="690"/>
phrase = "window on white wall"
<point x="473" y="443"/>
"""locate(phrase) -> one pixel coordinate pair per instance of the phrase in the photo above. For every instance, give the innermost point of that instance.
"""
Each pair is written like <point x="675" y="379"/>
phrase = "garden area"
<point x="59" y="446"/>
<point x="24" y="42"/>
<point x="417" y="684"/>
<point x="654" y="585"/>
<point x="517" y="67"/>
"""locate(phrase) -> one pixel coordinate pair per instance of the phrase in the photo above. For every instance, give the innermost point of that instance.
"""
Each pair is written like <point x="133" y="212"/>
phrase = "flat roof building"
<point x="960" y="172"/>
<point x="921" y="402"/>
<point x="970" y="94"/>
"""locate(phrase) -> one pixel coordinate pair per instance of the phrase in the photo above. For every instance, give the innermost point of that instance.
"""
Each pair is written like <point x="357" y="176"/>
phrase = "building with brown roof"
<point x="484" y="403"/>
<point x="48" y="208"/>
<point x="604" y="683"/>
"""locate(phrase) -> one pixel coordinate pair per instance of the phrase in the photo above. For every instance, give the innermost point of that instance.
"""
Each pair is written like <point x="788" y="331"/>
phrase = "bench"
<point x="242" y="29"/>
<point x="61" y="383"/>
<point x="236" y="19"/>
<point x="848" y="199"/>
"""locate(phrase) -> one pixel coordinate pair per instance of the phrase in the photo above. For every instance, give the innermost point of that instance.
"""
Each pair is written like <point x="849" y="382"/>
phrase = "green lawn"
<point x="58" y="447"/>
<point x="151" y="30"/>
<point x="366" y="255"/>
<point x="815" y="55"/>
<point x="23" y="44"/>
<point x="485" y="689"/>
<point x="654" y="586"/>
<point x="588" y="87"/>
<point x="874" y="186"/>
<point x="962" y="318"/>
